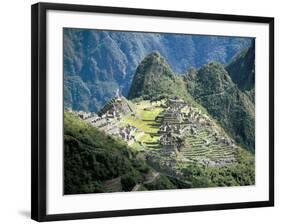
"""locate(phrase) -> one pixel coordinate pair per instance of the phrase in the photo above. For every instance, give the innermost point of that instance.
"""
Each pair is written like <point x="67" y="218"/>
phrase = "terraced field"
<point x="144" y="120"/>
<point x="205" y="142"/>
<point x="191" y="138"/>
<point x="204" y="148"/>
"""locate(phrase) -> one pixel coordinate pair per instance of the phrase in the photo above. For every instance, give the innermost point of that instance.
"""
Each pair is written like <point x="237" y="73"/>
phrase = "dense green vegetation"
<point x="154" y="79"/>
<point x="162" y="183"/>
<point x="241" y="173"/>
<point x="92" y="157"/>
<point x="129" y="180"/>
<point x="242" y="68"/>
<point x="212" y="87"/>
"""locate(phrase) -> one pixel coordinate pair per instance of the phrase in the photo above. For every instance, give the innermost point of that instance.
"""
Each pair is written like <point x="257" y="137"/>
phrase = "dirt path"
<point x="213" y="94"/>
<point x="154" y="176"/>
<point x="149" y="180"/>
<point x="136" y="187"/>
<point x="113" y="185"/>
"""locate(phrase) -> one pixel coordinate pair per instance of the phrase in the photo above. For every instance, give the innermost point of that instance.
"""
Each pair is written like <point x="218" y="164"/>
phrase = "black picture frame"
<point x="39" y="122"/>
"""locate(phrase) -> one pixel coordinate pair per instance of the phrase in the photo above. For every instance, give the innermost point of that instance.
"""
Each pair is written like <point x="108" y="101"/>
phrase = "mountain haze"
<point x="100" y="62"/>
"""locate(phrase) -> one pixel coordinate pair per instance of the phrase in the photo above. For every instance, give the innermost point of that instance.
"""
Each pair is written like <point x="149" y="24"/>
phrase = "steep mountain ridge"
<point x="242" y="68"/>
<point x="154" y="78"/>
<point x="212" y="87"/>
<point x="107" y="60"/>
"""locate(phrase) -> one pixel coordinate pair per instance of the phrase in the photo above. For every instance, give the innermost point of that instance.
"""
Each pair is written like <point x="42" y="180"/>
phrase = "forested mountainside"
<point x="242" y="68"/>
<point x="212" y="87"/>
<point x="242" y="71"/>
<point x="96" y="63"/>
<point x="155" y="79"/>
<point x="95" y="162"/>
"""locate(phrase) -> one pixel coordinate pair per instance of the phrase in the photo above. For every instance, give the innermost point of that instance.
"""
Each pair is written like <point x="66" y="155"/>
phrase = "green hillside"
<point x="212" y="87"/>
<point x="207" y="156"/>
<point x="242" y="68"/>
<point x="155" y="79"/>
<point x="96" y="162"/>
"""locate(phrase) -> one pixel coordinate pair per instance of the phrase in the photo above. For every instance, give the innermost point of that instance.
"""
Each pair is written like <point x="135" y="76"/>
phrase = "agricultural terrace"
<point x="144" y="120"/>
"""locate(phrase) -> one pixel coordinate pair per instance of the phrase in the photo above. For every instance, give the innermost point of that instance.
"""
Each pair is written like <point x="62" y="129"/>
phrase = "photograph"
<point x="148" y="111"/>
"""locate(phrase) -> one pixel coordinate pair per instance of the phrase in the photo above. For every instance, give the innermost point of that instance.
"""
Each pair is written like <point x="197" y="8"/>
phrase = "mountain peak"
<point x="152" y="62"/>
<point x="153" y="77"/>
<point x="213" y="88"/>
<point x="213" y="78"/>
<point x="154" y="54"/>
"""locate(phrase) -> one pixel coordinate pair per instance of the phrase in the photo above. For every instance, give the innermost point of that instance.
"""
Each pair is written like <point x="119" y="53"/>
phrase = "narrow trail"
<point x="153" y="178"/>
<point x="136" y="187"/>
<point x="214" y="94"/>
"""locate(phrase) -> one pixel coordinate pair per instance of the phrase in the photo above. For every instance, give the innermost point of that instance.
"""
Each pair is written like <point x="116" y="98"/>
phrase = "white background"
<point x="15" y="111"/>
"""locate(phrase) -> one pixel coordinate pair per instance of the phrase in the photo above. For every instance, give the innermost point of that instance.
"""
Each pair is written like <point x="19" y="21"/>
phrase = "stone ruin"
<point x="126" y="133"/>
<point x="172" y="126"/>
<point x="105" y="120"/>
<point x="82" y="114"/>
<point x="116" y="106"/>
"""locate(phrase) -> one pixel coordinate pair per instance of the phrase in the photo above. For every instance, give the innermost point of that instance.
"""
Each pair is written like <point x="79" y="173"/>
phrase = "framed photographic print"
<point x="139" y="111"/>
